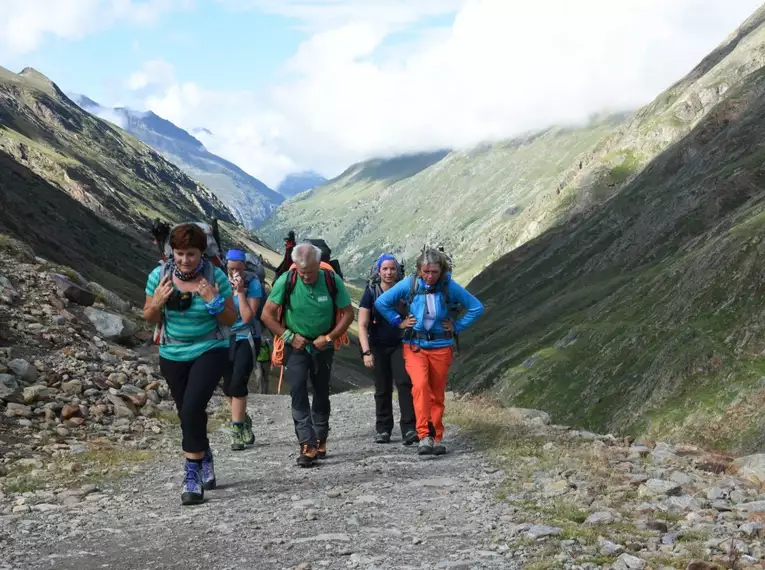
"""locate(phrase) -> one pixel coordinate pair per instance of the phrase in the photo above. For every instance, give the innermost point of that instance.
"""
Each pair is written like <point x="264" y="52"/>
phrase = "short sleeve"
<point x="367" y="300"/>
<point x="254" y="290"/>
<point x="343" y="298"/>
<point x="224" y="286"/>
<point x="152" y="281"/>
<point x="277" y="291"/>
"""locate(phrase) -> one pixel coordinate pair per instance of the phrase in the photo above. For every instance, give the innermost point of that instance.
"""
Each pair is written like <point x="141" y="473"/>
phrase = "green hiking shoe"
<point x="249" y="435"/>
<point x="237" y="436"/>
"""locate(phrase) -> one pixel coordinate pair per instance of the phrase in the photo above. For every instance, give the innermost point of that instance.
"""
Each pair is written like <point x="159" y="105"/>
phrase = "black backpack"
<point x="326" y="255"/>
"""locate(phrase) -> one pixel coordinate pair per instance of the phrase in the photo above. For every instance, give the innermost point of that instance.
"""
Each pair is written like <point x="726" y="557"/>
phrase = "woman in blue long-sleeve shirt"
<point x="429" y="337"/>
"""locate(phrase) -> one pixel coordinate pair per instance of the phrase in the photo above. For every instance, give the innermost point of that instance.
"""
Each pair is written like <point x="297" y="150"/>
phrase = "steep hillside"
<point x="479" y="203"/>
<point x="646" y="313"/>
<point x="82" y="192"/>
<point x="246" y="196"/>
<point x="300" y="182"/>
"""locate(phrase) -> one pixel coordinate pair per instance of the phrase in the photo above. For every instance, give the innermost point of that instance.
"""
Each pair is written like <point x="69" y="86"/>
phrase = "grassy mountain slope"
<point x="645" y="312"/>
<point x="82" y="191"/>
<point x="478" y="203"/>
<point x="246" y="196"/>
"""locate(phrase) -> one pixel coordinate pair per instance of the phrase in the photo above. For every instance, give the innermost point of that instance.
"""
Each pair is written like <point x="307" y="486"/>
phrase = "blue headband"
<point x="235" y="255"/>
<point x="386" y="257"/>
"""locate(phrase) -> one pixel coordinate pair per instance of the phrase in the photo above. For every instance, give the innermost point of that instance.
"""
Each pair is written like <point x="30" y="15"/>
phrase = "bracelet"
<point x="217" y="305"/>
<point x="287" y="336"/>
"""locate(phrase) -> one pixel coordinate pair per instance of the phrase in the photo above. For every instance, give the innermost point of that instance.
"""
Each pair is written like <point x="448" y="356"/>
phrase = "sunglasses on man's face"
<point x="179" y="300"/>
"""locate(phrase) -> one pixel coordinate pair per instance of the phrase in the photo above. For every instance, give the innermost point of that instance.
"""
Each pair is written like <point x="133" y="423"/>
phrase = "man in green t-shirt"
<point x="310" y="323"/>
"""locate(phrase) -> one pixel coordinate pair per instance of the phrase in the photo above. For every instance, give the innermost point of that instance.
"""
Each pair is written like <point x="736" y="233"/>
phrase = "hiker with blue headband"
<point x="382" y="351"/>
<point x="241" y="361"/>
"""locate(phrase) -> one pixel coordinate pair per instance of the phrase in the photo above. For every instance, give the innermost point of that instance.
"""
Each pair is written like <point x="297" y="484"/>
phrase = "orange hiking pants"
<point x="428" y="370"/>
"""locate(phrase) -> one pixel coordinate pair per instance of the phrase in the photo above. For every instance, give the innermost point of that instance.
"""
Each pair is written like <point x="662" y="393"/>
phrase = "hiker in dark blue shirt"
<point x="382" y="352"/>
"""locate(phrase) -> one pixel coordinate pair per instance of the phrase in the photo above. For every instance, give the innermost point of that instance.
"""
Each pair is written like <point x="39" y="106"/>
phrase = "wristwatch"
<point x="367" y="353"/>
<point x="329" y="339"/>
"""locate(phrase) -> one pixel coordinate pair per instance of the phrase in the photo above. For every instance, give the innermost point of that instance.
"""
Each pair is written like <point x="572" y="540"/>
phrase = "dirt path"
<point x="366" y="506"/>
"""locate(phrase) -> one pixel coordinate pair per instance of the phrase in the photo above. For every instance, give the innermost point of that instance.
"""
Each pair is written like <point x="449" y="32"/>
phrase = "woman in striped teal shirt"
<point x="191" y="302"/>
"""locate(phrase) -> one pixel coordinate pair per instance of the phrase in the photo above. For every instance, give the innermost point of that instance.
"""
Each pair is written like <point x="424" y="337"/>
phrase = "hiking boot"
<point x="307" y="455"/>
<point x="426" y="446"/>
<point x="321" y="448"/>
<point x="382" y="437"/>
<point x="237" y="436"/>
<point x="410" y="437"/>
<point x="439" y="448"/>
<point x="208" y="470"/>
<point x="249" y="435"/>
<point x="193" y="492"/>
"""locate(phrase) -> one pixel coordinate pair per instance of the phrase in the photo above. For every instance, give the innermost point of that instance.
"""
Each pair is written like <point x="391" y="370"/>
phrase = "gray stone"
<point x="751" y="468"/>
<point x="23" y="369"/>
<point x="524" y="414"/>
<point x="542" y="531"/>
<point x="663" y="453"/>
<point x="74" y="292"/>
<point x="73" y="387"/>
<point x="10" y="391"/>
<point x="602" y="517"/>
<point x="110" y="326"/>
<point x="8" y="294"/>
<point x="629" y="562"/>
<point x="656" y="487"/>
<point x="753" y="507"/>
<point x="610" y="548"/>
<point x="110" y="298"/>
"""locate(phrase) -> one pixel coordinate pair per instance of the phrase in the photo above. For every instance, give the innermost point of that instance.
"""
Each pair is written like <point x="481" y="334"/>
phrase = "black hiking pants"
<point x="241" y="361"/>
<point x="389" y="368"/>
<point x="192" y="384"/>
<point x="311" y="418"/>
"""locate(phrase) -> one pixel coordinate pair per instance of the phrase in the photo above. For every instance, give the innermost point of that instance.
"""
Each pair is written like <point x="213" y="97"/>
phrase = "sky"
<point x="292" y="85"/>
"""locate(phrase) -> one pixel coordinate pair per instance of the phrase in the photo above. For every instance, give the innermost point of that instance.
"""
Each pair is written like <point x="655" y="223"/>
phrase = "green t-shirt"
<point x="195" y="322"/>
<point x="310" y="310"/>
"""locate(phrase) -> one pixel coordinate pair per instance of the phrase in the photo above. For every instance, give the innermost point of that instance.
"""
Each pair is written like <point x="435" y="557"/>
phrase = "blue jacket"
<point x="388" y="302"/>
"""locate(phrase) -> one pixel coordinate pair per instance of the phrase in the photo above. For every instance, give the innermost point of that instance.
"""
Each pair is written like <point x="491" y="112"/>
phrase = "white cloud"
<point x="505" y="66"/>
<point x="155" y="72"/>
<point x="26" y="24"/>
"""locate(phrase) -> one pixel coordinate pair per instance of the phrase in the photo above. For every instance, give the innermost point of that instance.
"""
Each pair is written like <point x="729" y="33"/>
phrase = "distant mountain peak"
<point x="298" y="182"/>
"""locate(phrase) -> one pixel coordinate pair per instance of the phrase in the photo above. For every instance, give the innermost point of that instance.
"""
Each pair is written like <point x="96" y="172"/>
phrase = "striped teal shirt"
<point x="193" y="323"/>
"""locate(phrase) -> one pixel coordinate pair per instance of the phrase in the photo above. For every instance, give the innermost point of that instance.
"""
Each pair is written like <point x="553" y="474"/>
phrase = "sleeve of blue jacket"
<point x="387" y="302"/>
<point x="472" y="304"/>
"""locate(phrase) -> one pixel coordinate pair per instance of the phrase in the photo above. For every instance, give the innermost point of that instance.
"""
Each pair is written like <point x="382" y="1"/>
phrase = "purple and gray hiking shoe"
<point x="208" y="470"/>
<point x="193" y="491"/>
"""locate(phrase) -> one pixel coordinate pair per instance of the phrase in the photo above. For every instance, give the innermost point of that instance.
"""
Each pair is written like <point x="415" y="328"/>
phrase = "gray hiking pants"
<point x="311" y="419"/>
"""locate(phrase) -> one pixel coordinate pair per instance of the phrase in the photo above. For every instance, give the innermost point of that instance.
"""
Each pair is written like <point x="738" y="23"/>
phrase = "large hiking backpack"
<point x="326" y="255"/>
<point x="214" y="252"/>
<point x="454" y="308"/>
<point x="277" y="356"/>
<point x="373" y="284"/>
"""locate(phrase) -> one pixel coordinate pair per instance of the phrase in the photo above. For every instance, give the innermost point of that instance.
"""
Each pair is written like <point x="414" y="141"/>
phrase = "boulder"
<point x="10" y="391"/>
<point x="109" y="298"/>
<point x="8" y="294"/>
<point x="751" y="468"/>
<point x="110" y="326"/>
<point x="23" y="369"/>
<point x="75" y="293"/>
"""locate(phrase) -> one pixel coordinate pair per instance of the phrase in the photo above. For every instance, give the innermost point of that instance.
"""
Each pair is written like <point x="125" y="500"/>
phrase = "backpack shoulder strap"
<point x="412" y="289"/>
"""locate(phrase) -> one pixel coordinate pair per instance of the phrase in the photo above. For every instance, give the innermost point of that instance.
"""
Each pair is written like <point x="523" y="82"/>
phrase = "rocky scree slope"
<point x="646" y="314"/>
<point x="247" y="197"/>
<point x="82" y="192"/>
<point x="78" y="392"/>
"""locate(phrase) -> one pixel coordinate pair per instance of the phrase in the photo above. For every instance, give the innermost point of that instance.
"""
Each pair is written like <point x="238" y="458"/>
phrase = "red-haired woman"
<point x="190" y="298"/>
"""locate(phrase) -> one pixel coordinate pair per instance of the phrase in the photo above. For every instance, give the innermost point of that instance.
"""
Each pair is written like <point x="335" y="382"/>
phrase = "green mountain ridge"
<point x="247" y="197"/>
<point x="82" y="192"/>
<point x="643" y="312"/>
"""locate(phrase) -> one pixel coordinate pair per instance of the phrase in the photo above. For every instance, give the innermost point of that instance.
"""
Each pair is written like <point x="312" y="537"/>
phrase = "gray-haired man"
<point x="309" y="307"/>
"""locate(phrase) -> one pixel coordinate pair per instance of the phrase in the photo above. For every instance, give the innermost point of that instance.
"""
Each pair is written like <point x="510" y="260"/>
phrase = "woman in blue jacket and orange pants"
<point x="429" y="338"/>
